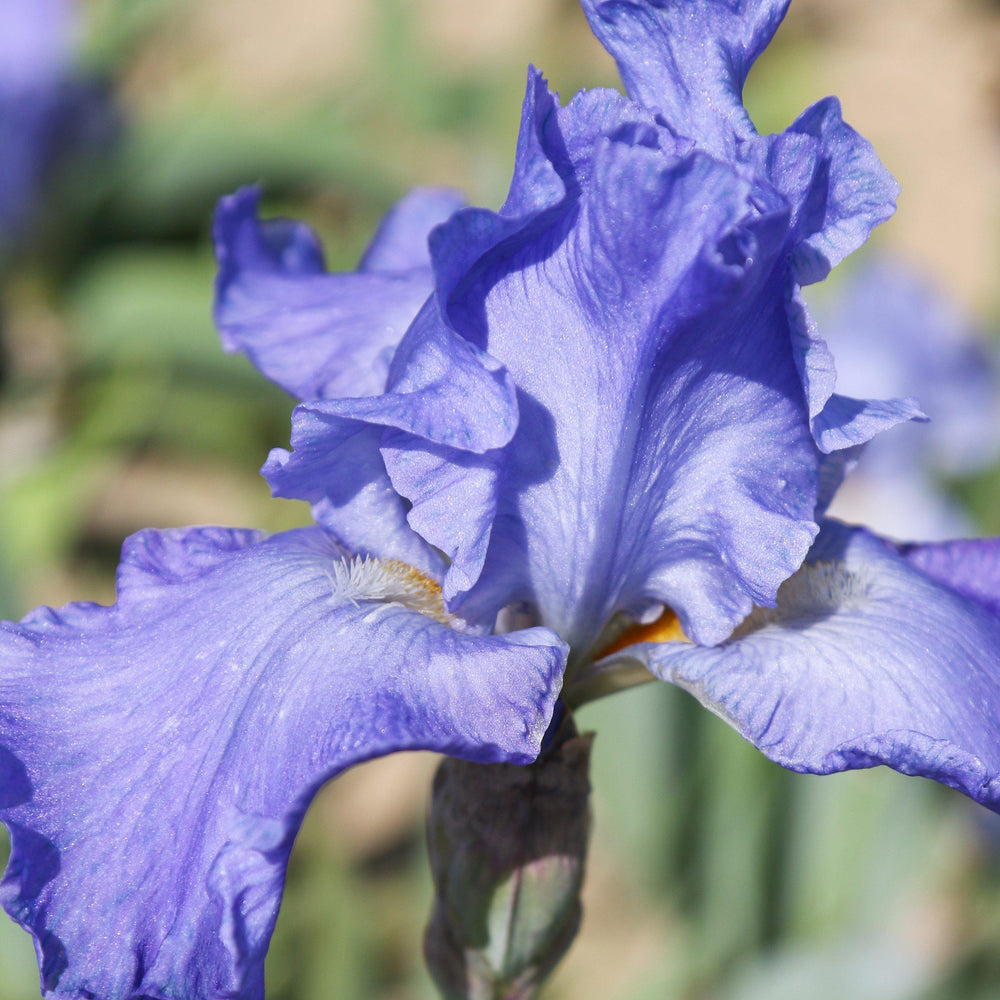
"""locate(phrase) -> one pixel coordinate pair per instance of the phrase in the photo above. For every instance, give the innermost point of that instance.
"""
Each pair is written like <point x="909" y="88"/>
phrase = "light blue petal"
<point x="689" y="60"/>
<point x="846" y="423"/>
<point x="853" y="192"/>
<point x="336" y="467"/>
<point x="315" y="334"/>
<point x="662" y="430"/>
<point x="457" y="505"/>
<point x="867" y="659"/>
<point x="969" y="566"/>
<point x="157" y="756"/>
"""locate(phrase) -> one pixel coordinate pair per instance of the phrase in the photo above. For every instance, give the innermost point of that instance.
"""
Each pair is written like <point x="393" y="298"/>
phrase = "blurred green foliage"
<point x="715" y="873"/>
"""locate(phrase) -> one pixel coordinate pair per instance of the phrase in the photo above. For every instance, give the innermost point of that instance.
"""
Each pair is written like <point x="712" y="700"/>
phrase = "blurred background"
<point x="714" y="874"/>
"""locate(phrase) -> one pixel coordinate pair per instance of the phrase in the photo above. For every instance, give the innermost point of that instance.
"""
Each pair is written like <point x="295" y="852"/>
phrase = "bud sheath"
<point x="507" y="848"/>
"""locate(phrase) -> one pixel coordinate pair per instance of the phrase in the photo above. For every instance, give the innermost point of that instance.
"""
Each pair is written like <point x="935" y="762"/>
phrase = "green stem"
<point x="597" y="680"/>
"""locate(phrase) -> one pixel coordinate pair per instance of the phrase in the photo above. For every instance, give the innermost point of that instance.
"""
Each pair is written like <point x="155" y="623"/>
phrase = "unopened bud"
<point x="507" y="847"/>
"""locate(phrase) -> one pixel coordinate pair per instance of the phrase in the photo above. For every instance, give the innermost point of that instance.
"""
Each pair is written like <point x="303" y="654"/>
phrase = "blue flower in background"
<point x="588" y="435"/>
<point x="890" y="328"/>
<point x="45" y="108"/>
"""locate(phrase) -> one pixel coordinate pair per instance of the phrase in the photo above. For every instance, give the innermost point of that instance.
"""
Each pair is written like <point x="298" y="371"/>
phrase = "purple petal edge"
<point x="157" y="756"/>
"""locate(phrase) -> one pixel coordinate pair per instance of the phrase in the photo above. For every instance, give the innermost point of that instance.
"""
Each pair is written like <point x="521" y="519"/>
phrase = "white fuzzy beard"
<point x="388" y="581"/>
<point x="813" y="592"/>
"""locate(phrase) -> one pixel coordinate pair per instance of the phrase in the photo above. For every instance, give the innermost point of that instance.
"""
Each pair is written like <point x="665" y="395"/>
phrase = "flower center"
<point x="666" y="628"/>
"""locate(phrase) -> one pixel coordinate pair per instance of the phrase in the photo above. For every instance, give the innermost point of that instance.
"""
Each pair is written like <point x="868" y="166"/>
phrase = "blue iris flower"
<point x="549" y="450"/>
<point x="46" y="109"/>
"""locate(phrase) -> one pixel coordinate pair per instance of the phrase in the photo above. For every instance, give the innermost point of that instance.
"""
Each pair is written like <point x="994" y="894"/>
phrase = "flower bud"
<point x="507" y="848"/>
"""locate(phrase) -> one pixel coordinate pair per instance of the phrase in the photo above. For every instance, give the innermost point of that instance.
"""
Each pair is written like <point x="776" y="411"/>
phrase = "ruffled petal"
<point x="837" y="422"/>
<point x="447" y="480"/>
<point x="554" y="156"/>
<point x="846" y="422"/>
<point x="460" y="402"/>
<point x="320" y="335"/>
<point x="336" y="467"/>
<point x="538" y="182"/>
<point x="662" y="424"/>
<point x="689" y="60"/>
<point x="453" y="400"/>
<point x="868" y="658"/>
<point x="442" y="388"/>
<point x="852" y="192"/>
<point x="158" y="756"/>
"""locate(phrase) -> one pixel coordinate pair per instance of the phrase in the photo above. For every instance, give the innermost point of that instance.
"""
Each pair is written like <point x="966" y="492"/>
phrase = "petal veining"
<point x="661" y="413"/>
<point x="161" y="753"/>
<point x="868" y="658"/>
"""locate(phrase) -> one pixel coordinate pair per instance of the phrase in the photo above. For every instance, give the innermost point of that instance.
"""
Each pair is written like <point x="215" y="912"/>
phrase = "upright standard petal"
<point x="604" y="383"/>
<point x="870" y="657"/>
<point x="315" y="334"/>
<point x="850" y="192"/>
<point x="661" y="418"/>
<point x="689" y="60"/>
<point x="157" y="756"/>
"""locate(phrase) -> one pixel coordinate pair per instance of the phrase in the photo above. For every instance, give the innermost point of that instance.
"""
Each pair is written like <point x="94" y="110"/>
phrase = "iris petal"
<point x="315" y="334"/>
<point x="869" y="658"/>
<point x="689" y="60"/>
<point x="846" y="423"/>
<point x="615" y="379"/>
<point x="852" y="191"/>
<point x="337" y="468"/>
<point x="158" y="755"/>
<point x="969" y="566"/>
<point x="661" y="414"/>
